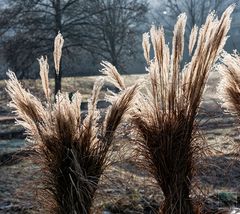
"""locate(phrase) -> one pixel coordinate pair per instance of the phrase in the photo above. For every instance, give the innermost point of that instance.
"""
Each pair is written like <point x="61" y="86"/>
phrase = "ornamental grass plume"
<point x="73" y="152"/>
<point x="165" y="117"/>
<point x="229" y="87"/>
<point x="57" y="53"/>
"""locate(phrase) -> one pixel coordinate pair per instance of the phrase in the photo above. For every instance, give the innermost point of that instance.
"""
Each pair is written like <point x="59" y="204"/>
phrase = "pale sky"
<point x="154" y="1"/>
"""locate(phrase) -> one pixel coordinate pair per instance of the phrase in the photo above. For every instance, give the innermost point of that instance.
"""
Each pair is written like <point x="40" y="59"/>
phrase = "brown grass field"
<point x="125" y="188"/>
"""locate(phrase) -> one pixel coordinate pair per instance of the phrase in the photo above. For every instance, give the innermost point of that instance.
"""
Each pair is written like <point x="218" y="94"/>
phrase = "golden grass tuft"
<point x="72" y="152"/>
<point x="165" y="118"/>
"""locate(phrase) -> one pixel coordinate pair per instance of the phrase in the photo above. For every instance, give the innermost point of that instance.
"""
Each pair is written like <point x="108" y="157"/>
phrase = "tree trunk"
<point x="58" y="81"/>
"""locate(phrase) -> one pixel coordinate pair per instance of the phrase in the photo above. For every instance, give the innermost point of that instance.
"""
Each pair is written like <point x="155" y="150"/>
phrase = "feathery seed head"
<point x="229" y="87"/>
<point x="113" y="76"/>
<point x="57" y="53"/>
<point x="44" y="70"/>
<point x="192" y="39"/>
<point x="146" y="47"/>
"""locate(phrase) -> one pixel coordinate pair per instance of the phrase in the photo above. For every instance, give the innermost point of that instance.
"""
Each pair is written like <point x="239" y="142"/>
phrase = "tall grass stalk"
<point x="73" y="152"/>
<point x="165" y="117"/>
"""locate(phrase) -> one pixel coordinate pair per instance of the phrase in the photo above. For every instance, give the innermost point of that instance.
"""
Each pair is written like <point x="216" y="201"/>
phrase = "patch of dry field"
<point x="69" y="84"/>
<point x="125" y="188"/>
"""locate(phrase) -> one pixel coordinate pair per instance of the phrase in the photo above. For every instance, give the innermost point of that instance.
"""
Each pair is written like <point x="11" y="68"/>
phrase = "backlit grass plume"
<point x="73" y="151"/>
<point x="165" y="117"/>
<point x="57" y="53"/>
<point x="229" y="87"/>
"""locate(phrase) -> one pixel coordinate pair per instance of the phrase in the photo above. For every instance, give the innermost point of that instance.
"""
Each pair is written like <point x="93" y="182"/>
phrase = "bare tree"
<point x="113" y="32"/>
<point x="35" y="27"/>
<point x="102" y="27"/>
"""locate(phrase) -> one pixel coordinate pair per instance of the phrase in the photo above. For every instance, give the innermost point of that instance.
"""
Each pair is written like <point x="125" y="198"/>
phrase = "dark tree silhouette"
<point x="105" y="28"/>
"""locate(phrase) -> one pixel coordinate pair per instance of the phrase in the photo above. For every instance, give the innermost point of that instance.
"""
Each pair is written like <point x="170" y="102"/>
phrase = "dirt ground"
<point x="125" y="188"/>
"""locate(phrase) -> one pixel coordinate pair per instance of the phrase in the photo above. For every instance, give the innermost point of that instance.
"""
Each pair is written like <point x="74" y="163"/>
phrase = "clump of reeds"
<point x="73" y="152"/>
<point x="165" y="117"/>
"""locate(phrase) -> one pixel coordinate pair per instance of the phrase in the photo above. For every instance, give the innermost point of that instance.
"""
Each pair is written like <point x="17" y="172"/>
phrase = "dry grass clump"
<point x="165" y="117"/>
<point x="73" y="152"/>
<point x="229" y="87"/>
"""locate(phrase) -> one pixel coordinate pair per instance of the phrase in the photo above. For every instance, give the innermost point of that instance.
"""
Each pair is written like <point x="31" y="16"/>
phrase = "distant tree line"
<point x="103" y="28"/>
